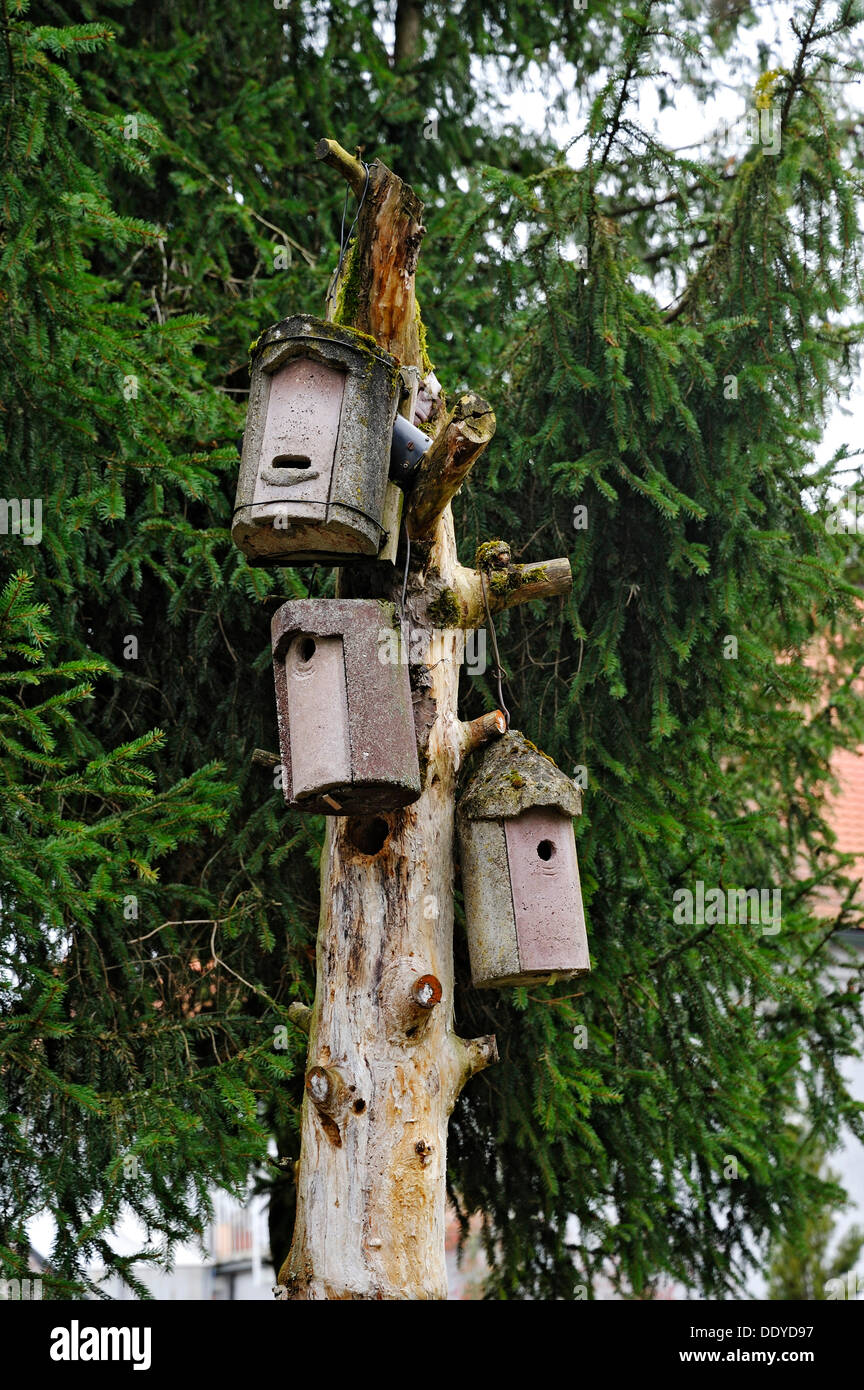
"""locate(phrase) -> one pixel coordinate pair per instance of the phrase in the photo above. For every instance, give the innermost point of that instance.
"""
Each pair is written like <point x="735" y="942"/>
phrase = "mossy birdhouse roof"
<point x="511" y="777"/>
<point x="307" y="326"/>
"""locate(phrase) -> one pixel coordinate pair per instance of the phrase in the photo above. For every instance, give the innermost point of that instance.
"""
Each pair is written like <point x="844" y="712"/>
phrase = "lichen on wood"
<point x="507" y="584"/>
<point x="512" y="775"/>
<point x="426" y="364"/>
<point x="444" y="610"/>
<point x="492" y="555"/>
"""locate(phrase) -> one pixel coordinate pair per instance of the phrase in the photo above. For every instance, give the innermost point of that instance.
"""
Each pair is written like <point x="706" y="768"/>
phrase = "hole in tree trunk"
<point x="331" y="1129"/>
<point x="369" y="834"/>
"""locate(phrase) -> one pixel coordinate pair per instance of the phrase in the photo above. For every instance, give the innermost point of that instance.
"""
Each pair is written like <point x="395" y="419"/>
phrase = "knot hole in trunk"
<point x="368" y="834"/>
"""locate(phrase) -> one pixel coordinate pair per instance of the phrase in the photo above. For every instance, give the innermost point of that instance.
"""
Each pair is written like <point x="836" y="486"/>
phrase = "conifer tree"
<point x="824" y="1261"/>
<point x="120" y="1060"/>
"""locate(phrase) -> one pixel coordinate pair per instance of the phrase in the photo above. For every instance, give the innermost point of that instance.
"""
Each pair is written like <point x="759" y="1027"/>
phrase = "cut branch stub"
<point x="348" y="166"/>
<point x="506" y="584"/>
<point x="410" y="1002"/>
<point x="333" y="1098"/>
<point x="301" y="1015"/>
<point x="522" y="583"/>
<point x="453" y="452"/>
<point x="422" y="999"/>
<point x="483" y="730"/>
<point x="328" y="1089"/>
<point x="426" y="992"/>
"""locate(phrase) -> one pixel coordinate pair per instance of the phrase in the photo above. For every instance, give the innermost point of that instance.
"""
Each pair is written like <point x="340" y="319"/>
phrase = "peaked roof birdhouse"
<point x="316" y="449"/>
<point x="343" y="702"/>
<point x="520" y="877"/>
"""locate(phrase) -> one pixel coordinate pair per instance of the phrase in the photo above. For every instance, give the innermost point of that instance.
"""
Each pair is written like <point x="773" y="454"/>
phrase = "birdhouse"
<point x="520" y="878"/>
<point x="316" y="449"/>
<point x="343" y="701"/>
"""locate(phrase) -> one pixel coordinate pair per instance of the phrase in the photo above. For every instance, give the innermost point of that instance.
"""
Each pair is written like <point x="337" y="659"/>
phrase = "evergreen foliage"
<point x="160" y="207"/>
<point x="804" y="1272"/>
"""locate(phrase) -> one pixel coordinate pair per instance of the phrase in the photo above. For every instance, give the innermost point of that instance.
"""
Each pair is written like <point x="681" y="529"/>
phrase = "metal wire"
<point x="343" y="241"/>
<point x="497" y="670"/>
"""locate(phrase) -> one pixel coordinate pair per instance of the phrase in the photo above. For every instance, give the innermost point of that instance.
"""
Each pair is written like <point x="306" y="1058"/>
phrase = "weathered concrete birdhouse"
<point x="520" y="878"/>
<point x="316" y="449"/>
<point x="343" y="700"/>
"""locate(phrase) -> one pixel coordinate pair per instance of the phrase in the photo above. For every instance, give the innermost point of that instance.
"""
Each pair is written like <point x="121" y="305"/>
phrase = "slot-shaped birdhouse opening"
<point x="313" y="484"/>
<point x="291" y="461"/>
<point x="520" y="876"/>
<point x="346" y="721"/>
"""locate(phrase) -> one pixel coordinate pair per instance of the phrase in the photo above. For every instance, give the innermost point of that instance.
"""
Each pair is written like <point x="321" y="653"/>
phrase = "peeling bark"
<point x="376" y="289"/>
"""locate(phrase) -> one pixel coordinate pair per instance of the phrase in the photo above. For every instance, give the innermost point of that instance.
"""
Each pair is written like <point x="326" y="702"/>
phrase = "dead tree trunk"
<point x="384" y="1066"/>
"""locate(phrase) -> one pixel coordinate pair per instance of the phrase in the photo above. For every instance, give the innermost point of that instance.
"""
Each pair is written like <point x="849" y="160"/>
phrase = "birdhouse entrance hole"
<point x="545" y="849"/>
<point x="291" y="461"/>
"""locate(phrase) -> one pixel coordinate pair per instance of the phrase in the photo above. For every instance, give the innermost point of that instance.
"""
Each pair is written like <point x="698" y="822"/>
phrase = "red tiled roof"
<point x="844" y="807"/>
<point x="845" y="814"/>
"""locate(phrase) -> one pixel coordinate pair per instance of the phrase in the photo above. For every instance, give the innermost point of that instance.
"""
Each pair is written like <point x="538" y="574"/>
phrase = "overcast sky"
<point x="688" y="122"/>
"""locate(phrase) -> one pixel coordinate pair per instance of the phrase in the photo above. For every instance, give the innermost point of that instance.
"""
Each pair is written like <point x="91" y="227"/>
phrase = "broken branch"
<point x="477" y="1054"/>
<point x="350" y="168"/>
<point x="374" y="292"/>
<point x="506" y="585"/>
<point x="453" y="451"/>
<point x="480" y="731"/>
